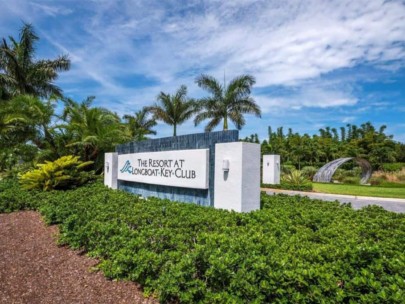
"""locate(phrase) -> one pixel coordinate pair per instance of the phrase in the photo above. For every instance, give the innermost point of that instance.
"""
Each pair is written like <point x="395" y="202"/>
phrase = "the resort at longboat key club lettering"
<point x="169" y="168"/>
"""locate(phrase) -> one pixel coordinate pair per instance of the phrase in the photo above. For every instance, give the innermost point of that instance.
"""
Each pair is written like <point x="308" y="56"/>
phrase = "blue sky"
<point x="316" y="63"/>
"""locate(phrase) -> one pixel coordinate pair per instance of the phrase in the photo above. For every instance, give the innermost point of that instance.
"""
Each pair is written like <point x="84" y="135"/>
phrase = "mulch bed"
<point x="33" y="269"/>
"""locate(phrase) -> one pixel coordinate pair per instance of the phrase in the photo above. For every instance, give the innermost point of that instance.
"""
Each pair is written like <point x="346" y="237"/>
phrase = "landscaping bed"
<point x="33" y="269"/>
<point x="294" y="250"/>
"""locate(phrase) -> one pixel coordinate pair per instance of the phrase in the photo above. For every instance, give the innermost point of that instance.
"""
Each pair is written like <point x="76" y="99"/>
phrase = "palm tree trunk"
<point x="225" y="123"/>
<point x="175" y="130"/>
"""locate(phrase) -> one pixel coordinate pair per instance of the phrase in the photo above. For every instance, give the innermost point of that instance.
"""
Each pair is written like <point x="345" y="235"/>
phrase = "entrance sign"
<point x="177" y="168"/>
<point x="208" y="169"/>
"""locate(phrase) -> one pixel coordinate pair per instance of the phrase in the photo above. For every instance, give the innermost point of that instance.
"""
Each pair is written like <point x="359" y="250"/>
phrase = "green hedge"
<point x="295" y="250"/>
<point x="288" y="186"/>
<point x="392" y="167"/>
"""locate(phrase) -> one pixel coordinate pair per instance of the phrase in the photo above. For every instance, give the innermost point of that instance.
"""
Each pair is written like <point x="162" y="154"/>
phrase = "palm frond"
<point x="212" y="124"/>
<point x="210" y="84"/>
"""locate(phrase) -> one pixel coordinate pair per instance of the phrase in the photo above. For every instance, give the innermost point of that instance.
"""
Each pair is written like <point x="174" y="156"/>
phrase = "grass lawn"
<point x="359" y="190"/>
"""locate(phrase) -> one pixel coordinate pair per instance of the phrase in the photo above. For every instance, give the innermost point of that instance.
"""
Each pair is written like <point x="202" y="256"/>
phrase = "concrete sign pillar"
<point x="271" y="169"/>
<point x="237" y="176"/>
<point x="111" y="170"/>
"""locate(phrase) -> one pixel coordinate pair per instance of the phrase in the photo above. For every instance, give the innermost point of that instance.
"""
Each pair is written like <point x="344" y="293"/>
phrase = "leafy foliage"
<point x="226" y="102"/>
<point x="21" y="74"/>
<point x="295" y="177"/>
<point x="65" y="172"/>
<point x="392" y="167"/>
<point x="288" y="186"/>
<point x="309" y="172"/>
<point x="294" y="250"/>
<point x="140" y="125"/>
<point x="365" y="141"/>
<point x="173" y="109"/>
<point x="92" y="131"/>
<point x="13" y="198"/>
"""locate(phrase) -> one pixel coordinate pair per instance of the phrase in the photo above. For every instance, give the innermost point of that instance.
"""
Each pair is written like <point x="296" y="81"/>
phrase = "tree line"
<point x="365" y="141"/>
<point x="30" y="128"/>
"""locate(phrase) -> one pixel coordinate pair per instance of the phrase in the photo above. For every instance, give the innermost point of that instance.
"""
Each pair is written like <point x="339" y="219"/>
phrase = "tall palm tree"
<point x="173" y="109"/>
<point x="226" y="102"/>
<point x="20" y="73"/>
<point x="140" y="125"/>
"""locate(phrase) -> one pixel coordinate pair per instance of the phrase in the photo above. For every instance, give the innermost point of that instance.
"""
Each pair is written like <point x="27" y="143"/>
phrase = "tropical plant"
<point x="26" y="119"/>
<point x="295" y="177"/>
<point x="92" y="131"/>
<point x="226" y="102"/>
<point x="20" y="73"/>
<point x="37" y="117"/>
<point x="140" y="125"/>
<point x="64" y="173"/>
<point x="173" y="109"/>
<point x="10" y="119"/>
<point x="309" y="172"/>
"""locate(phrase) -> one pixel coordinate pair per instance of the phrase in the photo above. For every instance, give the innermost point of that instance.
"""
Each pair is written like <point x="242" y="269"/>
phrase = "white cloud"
<point x="280" y="44"/>
<point x="289" y="43"/>
<point x="312" y="95"/>
<point x="348" y="119"/>
<point x="51" y="10"/>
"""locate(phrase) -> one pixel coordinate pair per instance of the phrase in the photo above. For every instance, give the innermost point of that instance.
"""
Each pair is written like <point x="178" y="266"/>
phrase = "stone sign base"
<point x="111" y="170"/>
<point x="238" y="186"/>
<point x="208" y="169"/>
<point x="271" y="169"/>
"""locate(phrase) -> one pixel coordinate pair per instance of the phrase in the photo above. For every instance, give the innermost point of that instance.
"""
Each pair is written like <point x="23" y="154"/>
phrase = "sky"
<point x="316" y="63"/>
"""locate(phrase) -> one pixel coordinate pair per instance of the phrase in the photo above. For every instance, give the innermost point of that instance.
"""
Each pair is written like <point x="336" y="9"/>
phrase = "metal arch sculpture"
<point x="324" y="175"/>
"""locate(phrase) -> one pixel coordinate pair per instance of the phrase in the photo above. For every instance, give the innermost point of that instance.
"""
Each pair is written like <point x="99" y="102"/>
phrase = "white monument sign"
<point x="179" y="168"/>
<point x="271" y="169"/>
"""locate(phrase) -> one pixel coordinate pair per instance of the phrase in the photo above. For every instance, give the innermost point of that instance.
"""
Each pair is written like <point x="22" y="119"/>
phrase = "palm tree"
<point x="140" y="124"/>
<point x="29" y="116"/>
<point x="173" y="109"/>
<point x="26" y="131"/>
<point x="227" y="102"/>
<point x="20" y="73"/>
<point x="92" y="130"/>
<point x="10" y="120"/>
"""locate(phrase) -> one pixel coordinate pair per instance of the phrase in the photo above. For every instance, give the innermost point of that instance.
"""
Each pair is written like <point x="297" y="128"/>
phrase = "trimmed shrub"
<point x="12" y="198"/>
<point x="349" y="180"/>
<point x="350" y="175"/>
<point x="294" y="250"/>
<point x="287" y="186"/>
<point x="63" y="173"/>
<point x="392" y="167"/>
<point x="309" y="172"/>
<point x="287" y="168"/>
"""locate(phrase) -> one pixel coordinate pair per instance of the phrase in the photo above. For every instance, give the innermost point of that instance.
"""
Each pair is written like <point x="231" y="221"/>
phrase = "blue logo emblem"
<point x="127" y="167"/>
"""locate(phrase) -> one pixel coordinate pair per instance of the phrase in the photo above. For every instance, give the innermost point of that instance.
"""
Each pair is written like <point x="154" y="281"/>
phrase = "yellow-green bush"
<point x="64" y="173"/>
<point x="295" y="177"/>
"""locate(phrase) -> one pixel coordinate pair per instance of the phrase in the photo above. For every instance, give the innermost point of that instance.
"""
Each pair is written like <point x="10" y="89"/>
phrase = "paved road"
<point x="391" y="204"/>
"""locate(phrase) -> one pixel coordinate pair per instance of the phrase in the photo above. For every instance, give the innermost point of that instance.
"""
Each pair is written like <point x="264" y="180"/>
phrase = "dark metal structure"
<point x="324" y="175"/>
